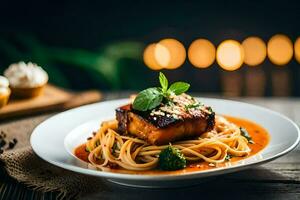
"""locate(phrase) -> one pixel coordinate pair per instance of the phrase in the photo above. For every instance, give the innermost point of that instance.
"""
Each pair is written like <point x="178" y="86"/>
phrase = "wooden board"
<point x="53" y="98"/>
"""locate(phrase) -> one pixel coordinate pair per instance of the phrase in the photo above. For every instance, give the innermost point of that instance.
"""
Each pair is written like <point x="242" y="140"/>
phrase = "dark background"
<point x="99" y="44"/>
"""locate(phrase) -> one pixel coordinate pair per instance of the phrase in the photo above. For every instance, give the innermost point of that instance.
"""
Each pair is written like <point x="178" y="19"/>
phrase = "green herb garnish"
<point x="114" y="148"/>
<point x="152" y="97"/>
<point x="178" y="88"/>
<point x="190" y="106"/>
<point x="228" y="157"/>
<point x="163" y="82"/>
<point x="210" y="109"/>
<point x="245" y="133"/>
<point x="148" y="99"/>
<point x="87" y="149"/>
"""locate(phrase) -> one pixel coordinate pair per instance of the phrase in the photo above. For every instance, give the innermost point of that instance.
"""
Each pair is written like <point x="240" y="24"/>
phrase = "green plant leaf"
<point x="163" y="82"/>
<point x="148" y="99"/>
<point x="179" y="87"/>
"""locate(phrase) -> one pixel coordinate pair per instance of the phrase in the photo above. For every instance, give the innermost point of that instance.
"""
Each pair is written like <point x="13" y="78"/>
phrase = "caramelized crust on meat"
<point x="162" y="129"/>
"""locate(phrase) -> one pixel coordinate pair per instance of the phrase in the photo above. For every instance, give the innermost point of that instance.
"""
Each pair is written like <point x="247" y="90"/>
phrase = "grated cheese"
<point x="180" y="106"/>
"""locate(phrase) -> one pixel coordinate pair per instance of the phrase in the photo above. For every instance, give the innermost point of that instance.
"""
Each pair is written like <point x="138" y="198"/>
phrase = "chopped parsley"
<point x="190" y="106"/>
<point x="210" y="109"/>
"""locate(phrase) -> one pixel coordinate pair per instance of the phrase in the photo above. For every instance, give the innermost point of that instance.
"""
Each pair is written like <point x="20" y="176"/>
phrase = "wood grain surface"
<point x="279" y="179"/>
<point x="53" y="98"/>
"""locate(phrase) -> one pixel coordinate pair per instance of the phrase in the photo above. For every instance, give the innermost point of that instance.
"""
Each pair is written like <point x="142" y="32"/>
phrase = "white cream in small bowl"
<point x="26" y="80"/>
<point x="4" y="91"/>
<point x="26" y="75"/>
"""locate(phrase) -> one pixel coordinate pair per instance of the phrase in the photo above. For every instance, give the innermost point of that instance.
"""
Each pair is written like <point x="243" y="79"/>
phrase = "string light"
<point x="230" y="55"/>
<point x="280" y="49"/>
<point x="255" y="51"/>
<point x="162" y="55"/>
<point x="202" y="53"/>
<point x="170" y="53"/>
<point x="297" y="49"/>
<point x="149" y="58"/>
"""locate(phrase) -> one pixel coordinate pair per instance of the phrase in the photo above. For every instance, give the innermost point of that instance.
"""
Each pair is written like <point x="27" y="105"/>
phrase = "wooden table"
<point x="279" y="179"/>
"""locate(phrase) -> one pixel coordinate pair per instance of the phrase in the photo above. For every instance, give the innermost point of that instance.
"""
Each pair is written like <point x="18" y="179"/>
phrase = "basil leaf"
<point x="148" y="99"/>
<point x="163" y="82"/>
<point x="179" y="87"/>
<point x="245" y="133"/>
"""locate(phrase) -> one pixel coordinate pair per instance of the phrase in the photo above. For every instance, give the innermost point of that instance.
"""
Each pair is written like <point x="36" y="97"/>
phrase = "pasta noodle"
<point x="108" y="149"/>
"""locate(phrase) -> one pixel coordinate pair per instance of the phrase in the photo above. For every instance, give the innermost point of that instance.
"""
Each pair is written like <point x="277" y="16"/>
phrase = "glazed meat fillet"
<point x="182" y="118"/>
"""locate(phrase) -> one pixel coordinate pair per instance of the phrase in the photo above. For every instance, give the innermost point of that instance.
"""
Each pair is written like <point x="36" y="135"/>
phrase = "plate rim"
<point x="149" y="177"/>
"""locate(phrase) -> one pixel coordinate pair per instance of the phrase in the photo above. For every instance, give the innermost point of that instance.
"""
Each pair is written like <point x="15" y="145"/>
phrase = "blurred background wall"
<point x="100" y="44"/>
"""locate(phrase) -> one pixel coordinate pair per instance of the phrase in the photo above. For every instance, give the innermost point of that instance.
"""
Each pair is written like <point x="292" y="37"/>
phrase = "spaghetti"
<point x="108" y="149"/>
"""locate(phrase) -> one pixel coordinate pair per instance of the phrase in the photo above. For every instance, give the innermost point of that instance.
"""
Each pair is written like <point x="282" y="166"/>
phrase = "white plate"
<point x="55" y="139"/>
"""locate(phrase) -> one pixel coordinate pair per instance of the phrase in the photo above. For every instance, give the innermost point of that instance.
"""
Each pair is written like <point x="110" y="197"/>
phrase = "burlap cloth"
<point x="22" y="164"/>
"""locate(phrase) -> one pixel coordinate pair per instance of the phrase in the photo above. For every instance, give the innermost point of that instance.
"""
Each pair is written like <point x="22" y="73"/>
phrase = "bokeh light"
<point x="202" y="53"/>
<point x="149" y="57"/>
<point x="162" y="55"/>
<point x="255" y="51"/>
<point x="280" y="49"/>
<point x="230" y="55"/>
<point x="297" y="49"/>
<point x="176" y="53"/>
